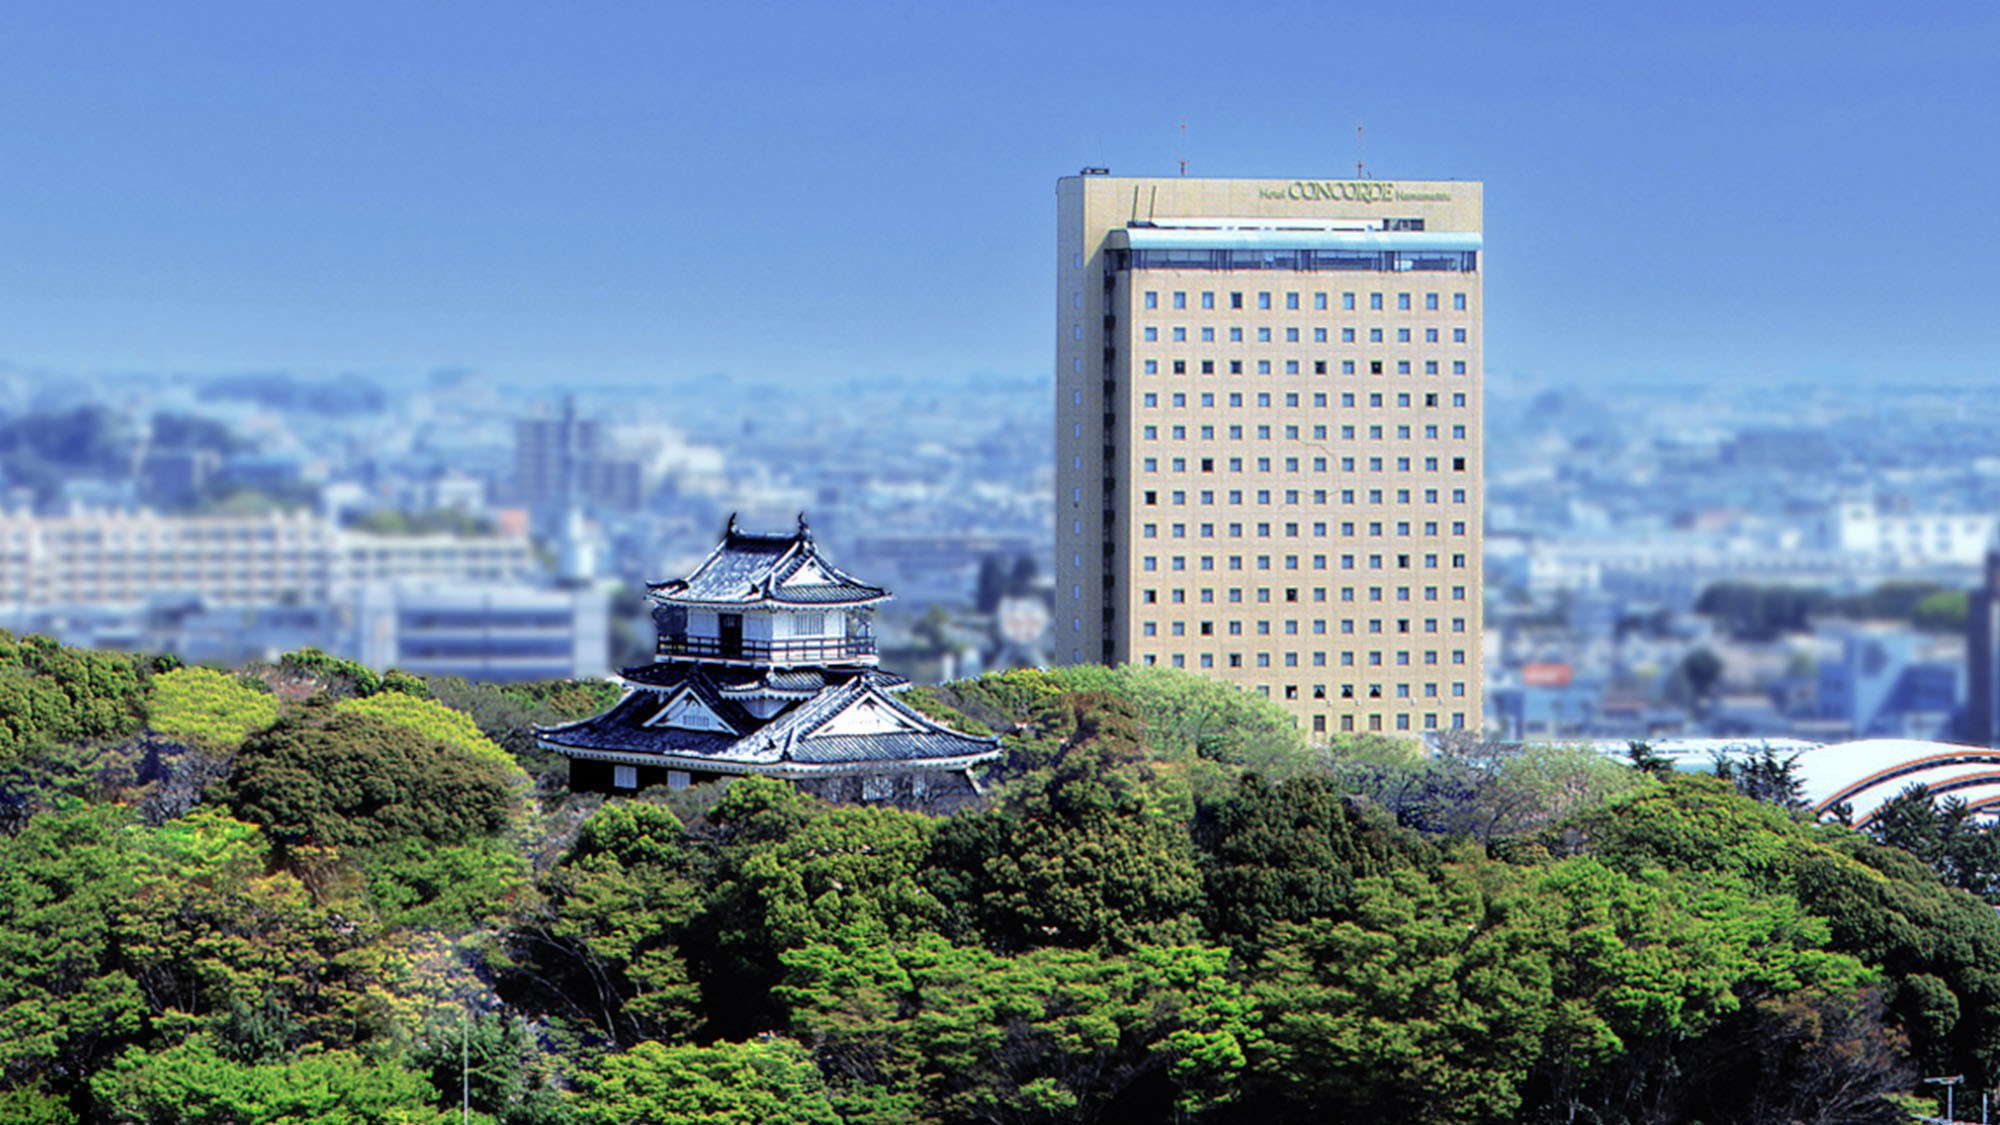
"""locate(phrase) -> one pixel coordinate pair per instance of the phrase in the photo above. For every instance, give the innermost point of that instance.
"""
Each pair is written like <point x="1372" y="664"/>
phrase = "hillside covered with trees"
<point x="308" y="893"/>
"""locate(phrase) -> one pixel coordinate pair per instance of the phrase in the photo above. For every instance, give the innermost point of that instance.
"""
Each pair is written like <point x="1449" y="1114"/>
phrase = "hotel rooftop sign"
<point x="1351" y="191"/>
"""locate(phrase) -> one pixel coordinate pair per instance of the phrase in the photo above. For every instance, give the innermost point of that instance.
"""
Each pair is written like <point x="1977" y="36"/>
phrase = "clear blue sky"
<point x="619" y="191"/>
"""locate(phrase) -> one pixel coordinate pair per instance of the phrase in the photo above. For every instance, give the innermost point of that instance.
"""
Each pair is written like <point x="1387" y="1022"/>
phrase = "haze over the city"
<point x="616" y="192"/>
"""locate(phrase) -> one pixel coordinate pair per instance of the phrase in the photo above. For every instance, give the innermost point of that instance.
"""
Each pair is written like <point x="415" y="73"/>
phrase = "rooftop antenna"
<point x="1183" y="146"/>
<point x="1360" y="170"/>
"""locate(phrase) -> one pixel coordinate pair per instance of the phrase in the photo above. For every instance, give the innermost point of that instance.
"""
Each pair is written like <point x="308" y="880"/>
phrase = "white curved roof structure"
<point x="1866" y="775"/>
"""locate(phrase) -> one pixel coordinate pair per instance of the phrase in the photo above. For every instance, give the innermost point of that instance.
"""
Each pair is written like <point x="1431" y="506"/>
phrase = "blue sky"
<point x="626" y="191"/>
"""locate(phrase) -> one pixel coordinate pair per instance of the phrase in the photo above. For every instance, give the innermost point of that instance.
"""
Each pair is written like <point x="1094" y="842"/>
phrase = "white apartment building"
<point x="125" y="557"/>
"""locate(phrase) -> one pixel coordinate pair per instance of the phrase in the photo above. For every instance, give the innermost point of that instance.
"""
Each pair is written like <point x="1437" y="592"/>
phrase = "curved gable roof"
<point x="746" y="569"/>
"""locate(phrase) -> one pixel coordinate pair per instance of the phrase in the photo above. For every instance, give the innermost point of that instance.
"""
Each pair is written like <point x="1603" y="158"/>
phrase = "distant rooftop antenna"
<point x="1183" y="146"/>
<point x="1360" y="170"/>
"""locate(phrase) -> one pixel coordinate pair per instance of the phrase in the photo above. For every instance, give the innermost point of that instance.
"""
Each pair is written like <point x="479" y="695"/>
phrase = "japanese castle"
<point x="766" y="664"/>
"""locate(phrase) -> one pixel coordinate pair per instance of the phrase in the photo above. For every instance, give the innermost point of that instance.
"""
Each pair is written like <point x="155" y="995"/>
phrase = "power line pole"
<point x="1950" y="1085"/>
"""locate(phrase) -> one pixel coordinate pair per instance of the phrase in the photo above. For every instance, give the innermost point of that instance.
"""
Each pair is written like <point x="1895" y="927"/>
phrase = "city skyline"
<point x="626" y="192"/>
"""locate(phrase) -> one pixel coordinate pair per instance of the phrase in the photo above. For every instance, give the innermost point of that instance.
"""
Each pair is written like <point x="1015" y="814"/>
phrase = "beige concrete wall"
<point x="1342" y="578"/>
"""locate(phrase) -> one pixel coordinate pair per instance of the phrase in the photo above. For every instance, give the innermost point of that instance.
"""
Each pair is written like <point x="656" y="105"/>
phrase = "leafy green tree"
<point x="508" y="713"/>
<point x="342" y="678"/>
<point x="964" y="1034"/>
<point x="1765" y="777"/>
<point x="213" y="710"/>
<point x="433" y="721"/>
<point x="606" y="951"/>
<point x="193" y="1084"/>
<point x="1084" y="855"/>
<point x="64" y="1003"/>
<point x="1181" y="714"/>
<point x="29" y="1107"/>
<point x="1430" y="1005"/>
<point x="849" y="875"/>
<point x="454" y="887"/>
<point x="1943" y="834"/>
<point x="350" y="780"/>
<point x="1647" y="963"/>
<point x="1486" y="791"/>
<point x="51" y="695"/>
<point x="1292" y="852"/>
<point x="493" y="1061"/>
<point x="766" y="1082"/>
<point x="1882" y="905"/>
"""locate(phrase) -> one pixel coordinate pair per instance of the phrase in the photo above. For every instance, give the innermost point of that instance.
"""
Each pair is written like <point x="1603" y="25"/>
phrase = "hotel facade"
<point x="1268" y="440"/>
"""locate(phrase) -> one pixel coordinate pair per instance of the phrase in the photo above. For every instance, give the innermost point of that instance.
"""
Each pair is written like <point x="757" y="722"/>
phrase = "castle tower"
<point x="766" y="664"/>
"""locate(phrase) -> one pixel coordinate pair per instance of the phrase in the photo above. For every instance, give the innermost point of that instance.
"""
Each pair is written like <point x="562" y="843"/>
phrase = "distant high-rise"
<point x="550" y="455"/>
<point x="1268" y="437"/>
<point x="566" y="462"/>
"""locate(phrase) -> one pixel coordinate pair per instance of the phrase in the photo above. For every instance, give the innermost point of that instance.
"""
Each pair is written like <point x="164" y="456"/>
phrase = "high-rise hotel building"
<point x="1268" y="439"/>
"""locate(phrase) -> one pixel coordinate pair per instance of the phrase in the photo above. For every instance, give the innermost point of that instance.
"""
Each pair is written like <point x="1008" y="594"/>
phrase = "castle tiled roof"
<point x="750" y="569"/>
<point x="680" y="717"/>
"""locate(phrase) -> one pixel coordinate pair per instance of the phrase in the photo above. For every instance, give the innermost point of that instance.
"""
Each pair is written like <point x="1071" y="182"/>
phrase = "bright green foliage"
<point x="508" y="713"/>
<point x="564" y="699"/>
<point x="194" y="1084"/>
<point x="51" y="695"/>
<point x="1936" y="945"/>
<point x="349" y="780"/>
<point x="111" y="931"/>
<point x="1443" y="993"/>
<point x="758" y="809"/>
<point x="606" y="951"/>
<point x="434" y="721"/>
<point x="454" y="887"/>
<point x="1053" y="1034"/>
<point x="1945" y="835"/>
<point x="1694" y="823"/>
<point x="63" y="1001"/>
<point x="1181" y="713"/>
<point x="344" y="678"/>
<point x="849" y="875"/>
<point x="1084" y="856"/>
<point x="210" y="709"/>
<point x="26" y="1107"/>
<point x="1429" y="1005"/>
<point x="1663" y="953"/>
<point x="766" y="1082"/>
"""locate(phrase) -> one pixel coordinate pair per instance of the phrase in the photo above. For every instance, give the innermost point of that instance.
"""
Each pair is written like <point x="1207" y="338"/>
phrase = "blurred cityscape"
<point x="448" y="525"/>
<point x="1670" y="560"/>
<point x="1749" y="561"/>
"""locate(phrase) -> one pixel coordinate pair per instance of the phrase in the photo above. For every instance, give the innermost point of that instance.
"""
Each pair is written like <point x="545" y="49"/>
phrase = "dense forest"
<point x="308" y="893"/>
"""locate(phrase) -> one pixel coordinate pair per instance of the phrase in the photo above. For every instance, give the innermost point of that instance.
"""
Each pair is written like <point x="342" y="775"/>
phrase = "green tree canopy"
<point x="766" y="1082"/>
<point x="354" y="780"/>
<point x="210" y="709"/>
